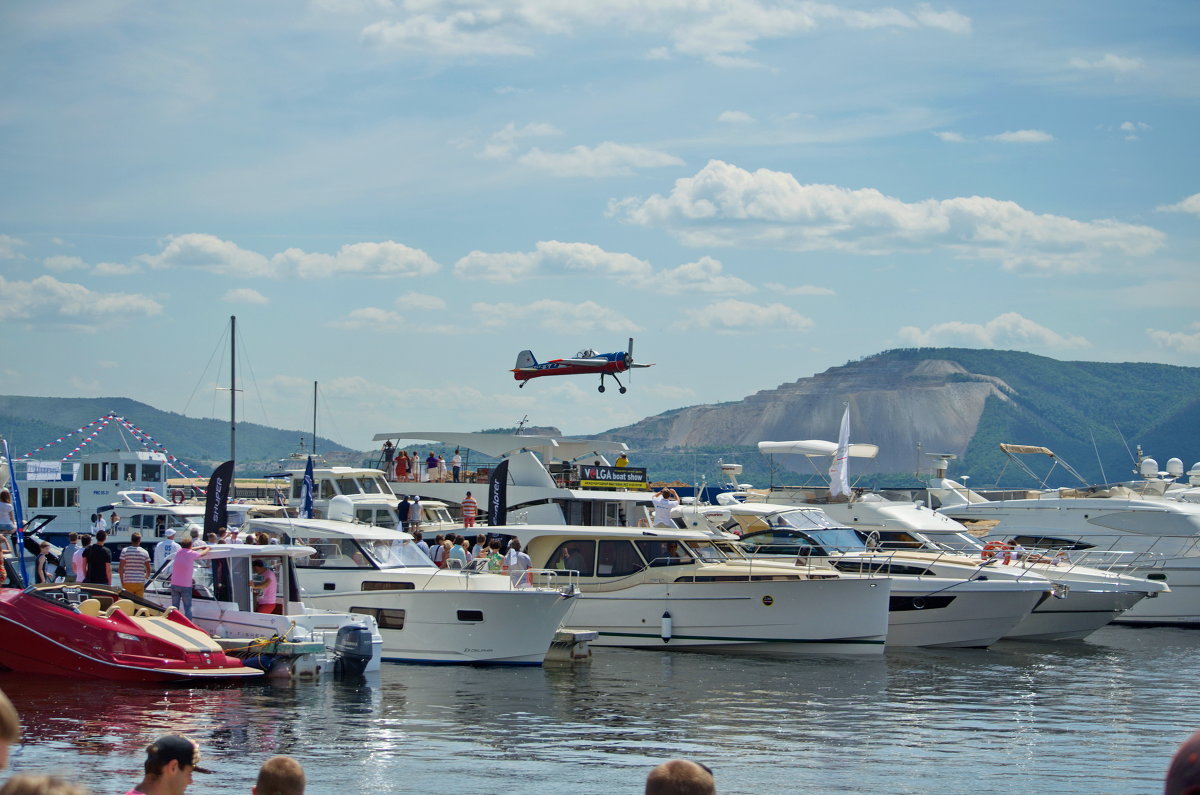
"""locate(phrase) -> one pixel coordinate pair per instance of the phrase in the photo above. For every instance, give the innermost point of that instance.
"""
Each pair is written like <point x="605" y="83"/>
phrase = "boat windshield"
<point x="804" y="519"/>
<point x="838" y="539"/>
<point x="708" y="551"/>
<point x="402" y="554"/>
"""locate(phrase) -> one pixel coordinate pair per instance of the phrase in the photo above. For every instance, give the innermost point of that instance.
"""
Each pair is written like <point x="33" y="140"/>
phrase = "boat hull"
<point x="1178" y="607"/>
<point x="971" y="619"/>
<point x="776" y="618"/>
<point x="1075" y="617"/>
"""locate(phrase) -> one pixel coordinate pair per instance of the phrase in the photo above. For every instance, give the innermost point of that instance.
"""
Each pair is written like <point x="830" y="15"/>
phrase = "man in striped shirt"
<point x="134" y="568"/>
<point x="469" y="507"/>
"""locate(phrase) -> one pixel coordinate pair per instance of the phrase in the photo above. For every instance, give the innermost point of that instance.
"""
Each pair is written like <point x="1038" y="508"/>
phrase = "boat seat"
<point x="121" y="606"/>
<point x="90" y="607"/>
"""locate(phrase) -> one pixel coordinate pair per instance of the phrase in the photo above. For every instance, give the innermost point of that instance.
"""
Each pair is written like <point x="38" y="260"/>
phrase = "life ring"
<point x="177" y="496"/>
<point x="993" y="548"/>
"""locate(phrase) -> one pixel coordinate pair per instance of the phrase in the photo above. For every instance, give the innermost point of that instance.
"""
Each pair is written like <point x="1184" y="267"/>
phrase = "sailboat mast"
<point x="232" y="388"/>
<point x="314" y="439"/>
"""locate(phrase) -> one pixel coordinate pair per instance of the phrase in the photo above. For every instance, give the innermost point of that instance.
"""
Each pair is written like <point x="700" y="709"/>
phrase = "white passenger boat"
<point x="938" y="600"/>
<point x="224" y="601"/>
<point x="551" y="480"/>
<point x="675" y="590"/>
<point x="1091" y="597"/>
<point x="363" y="493"/>
<point x="425" y="614"/>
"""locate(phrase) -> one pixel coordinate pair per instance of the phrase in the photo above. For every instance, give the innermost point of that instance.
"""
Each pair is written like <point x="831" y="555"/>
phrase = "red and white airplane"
<point x="585" y="362"/>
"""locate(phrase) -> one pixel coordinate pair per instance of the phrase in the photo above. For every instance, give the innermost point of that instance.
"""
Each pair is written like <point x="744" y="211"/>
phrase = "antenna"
<point x="521" y="424"/>
<point x="1103" y="477"/>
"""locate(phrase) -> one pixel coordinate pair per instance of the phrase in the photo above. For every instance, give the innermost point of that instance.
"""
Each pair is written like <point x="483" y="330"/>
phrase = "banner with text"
<point x="596" y="476"/>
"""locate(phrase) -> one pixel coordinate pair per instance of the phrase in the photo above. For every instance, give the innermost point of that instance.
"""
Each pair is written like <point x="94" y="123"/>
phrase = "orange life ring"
<point x="177" y="496"/>
<point x="993" y="548"/>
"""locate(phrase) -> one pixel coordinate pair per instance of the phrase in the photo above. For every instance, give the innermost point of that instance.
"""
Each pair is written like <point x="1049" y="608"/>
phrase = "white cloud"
<point x="558" y="316"/>
<point x="1135" y="126"/>
<point x="554" y="258"/>
<point x="735" y="117"/>
<point x="1178" y="341"/>
<point x="1007" y="330"/>
<point x="368" y="318"/>
<point x="244" y="295"/>
<point x="48" y="302"/>
<point x="1109" y="63"/>
<point x="720" y="33"/>
<point x="115" y="269"/>
<point x="1189" y="205"/>
<point x="733" y="316"/>
<point x="206" y="252"/>
<point x="723" y="205"/>
<point x="801" y="289"/>
<point x="608" y="159"/>
<point x="420" y="301"/>
<point x="503" y="142"/>
<point x="951" y="137"/>
<point x="1022" y="137"/>
<point x="61" y="262"/>
<point x="9" y="246"/>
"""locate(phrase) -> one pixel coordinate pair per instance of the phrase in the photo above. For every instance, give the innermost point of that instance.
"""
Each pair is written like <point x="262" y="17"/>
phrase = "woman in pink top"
<point x="268" y="589"/>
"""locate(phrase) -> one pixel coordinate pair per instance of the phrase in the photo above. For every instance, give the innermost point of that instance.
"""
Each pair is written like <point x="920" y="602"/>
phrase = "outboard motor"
<point x="352" y="650"/>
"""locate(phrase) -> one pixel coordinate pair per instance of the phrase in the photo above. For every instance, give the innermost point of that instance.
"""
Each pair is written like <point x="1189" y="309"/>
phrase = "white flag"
<point x="839" y="474"/>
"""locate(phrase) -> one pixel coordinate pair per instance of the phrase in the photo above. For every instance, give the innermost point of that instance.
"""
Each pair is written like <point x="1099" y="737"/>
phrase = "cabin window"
<point x="334" y="553"/>
<point x="577" y="556"/>
<point x="31" y="499"/>
<point x="897" y="539"/>
<point x="470" y="615"/>
<point x="152" y="473"/>
<point x="664" y="553"/>
<point x="371" y="486"/>
<point x="130" y="473"/>
<point x="386" y="617"/>
<point x="348" y="486"/>
<point x="617" y="559"/>
<point x="851" y="566"/>
<point x="376" y="585"/>
<point x="91" y="471"/>
<point x="72" y="498"/>
<point x="60" y="498"/>
<point x="327" y="492"/>
<point x="1049" y="542"/>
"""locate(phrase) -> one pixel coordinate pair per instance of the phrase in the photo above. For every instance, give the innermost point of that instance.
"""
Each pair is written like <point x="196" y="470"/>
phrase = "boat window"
<point x="470" y="615"/>
<point x="348" y="486"/>
<point x="853" y="566"/>
<point x="327" y="492"/>
<point x="391" y="554"/>
<point x="91" y="471"/>
<point x="130" y="473"/>
<point x="803" y="519"/>
<point x="387" y="585"/>
<point x="898" y="539"/>
<point x="617" y="559"/>
<point x="577" y="556"/>
<point x="780" y="542"/>
<point x="1049" y="542"/>
<point x="385" y="617"/>
<point x="334" y="553"/>
<point x="707" y="550"/>
<point x="31" y="499"/>
<point x="371" y="486"/>
<point x="739" y="578"/>
<point x="664" y="553"/>
<point x="838" y="539"/>
<point x="152" y="473"/>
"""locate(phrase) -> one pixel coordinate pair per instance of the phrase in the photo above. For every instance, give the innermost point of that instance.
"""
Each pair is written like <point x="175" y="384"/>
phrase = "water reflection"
<point x="1102" y="716"/>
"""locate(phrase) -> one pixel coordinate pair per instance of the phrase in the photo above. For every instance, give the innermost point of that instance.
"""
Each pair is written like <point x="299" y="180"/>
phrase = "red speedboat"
<point x="73" y="629"/>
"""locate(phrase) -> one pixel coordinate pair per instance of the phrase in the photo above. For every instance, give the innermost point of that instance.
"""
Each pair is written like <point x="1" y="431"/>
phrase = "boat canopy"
<point x="498" y="445"/>
<point x="816" y="448"/>
<point x="225" y="551"/>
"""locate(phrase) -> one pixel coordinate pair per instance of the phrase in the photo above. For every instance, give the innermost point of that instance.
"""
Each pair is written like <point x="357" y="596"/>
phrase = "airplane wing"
<point x="640" y="365"/>
<point x="583" y="362"/>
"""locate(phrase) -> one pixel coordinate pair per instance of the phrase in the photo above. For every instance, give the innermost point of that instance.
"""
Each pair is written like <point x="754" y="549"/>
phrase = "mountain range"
<point x="908" y="401"/>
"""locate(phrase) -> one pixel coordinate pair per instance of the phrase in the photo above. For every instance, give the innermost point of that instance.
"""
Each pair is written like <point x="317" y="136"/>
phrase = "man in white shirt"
<point x="663" y="502"/>
<point x="165" y="550"/>
<point x="456" y="466"/>
<point x="517" y="563"/>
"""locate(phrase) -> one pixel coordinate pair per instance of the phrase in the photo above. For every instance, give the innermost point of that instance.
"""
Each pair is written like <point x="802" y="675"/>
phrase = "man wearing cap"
<point x="165" y="550"/>
<point x="170" y="762"/>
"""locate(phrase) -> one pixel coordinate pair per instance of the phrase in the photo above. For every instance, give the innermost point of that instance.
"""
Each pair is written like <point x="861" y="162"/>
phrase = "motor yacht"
<point x="675" y="590"/>
<point x="103" y="632"/>
<point x="425" y="614"/>
<point x="938" y="600"/>
<point x="224" y="602"/>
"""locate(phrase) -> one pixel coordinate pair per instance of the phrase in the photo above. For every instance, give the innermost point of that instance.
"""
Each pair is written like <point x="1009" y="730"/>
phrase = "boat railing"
<point x="565" y="581"/>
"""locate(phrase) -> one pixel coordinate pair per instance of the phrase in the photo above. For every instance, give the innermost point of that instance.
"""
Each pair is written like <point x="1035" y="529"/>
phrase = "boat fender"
<point x="177" y="496"/>
<point x="666" y="626"/>
<point x="993" y="548"/>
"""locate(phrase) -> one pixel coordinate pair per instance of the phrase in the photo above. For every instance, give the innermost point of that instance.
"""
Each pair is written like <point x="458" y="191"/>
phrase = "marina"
<point x="1099" y="717"/>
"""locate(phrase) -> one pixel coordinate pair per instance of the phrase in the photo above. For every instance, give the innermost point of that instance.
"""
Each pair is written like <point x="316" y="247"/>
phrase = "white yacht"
<point x="676" y="590"/>
<point x="362" y="490"/>
<point x="224" y="601"/>
<point x="551" y="480"/>
<point x="425" y="614"/>
<point x="1092" y="596"/>
<point x="938" y="600"/>
<point x="1108" y="527"/>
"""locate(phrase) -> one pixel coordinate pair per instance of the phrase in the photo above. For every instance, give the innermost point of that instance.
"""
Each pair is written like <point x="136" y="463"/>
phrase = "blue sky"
<point x="395" y="197"/>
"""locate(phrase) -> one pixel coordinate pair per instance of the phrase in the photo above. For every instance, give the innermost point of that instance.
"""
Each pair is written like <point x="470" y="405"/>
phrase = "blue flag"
<point x="306" y="499"/>
<point x="18" y="536"/>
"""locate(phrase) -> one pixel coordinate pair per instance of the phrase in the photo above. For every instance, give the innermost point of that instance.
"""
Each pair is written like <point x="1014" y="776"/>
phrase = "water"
<point x="1102" y="716"/>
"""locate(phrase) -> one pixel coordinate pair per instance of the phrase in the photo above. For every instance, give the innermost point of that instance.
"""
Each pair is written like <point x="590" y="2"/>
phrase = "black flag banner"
<point x="216" y="502"/>
<point x="497" y="512"/>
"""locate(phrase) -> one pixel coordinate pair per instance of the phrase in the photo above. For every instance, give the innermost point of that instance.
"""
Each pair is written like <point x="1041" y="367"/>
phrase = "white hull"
<point x="781" y="618"/>
<point x="1179" y="606"/>
<point x="435" y="630"/>
<point x="973" y="619"/>
<point x="1078" y="615"/>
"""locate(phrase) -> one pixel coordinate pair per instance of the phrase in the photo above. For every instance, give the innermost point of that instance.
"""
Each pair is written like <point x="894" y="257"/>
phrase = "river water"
<point x="1102" y="716"/>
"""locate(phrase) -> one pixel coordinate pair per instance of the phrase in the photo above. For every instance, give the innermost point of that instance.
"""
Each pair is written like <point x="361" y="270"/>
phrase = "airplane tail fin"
<point x="525" y="359"/>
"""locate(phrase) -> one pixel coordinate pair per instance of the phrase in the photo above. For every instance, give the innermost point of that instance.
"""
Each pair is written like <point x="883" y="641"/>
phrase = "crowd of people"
<point x="454" y="551"/>
<point x="406" y="466"/>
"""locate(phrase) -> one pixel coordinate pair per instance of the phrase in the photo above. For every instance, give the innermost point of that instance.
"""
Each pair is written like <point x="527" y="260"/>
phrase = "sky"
<point x="395" y="197"/>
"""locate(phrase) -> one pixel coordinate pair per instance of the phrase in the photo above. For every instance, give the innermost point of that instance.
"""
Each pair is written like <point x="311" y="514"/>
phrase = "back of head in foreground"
<point x="680" y="777"/>
<point x="1183" y="776"/>
<point x="280" y="775"/>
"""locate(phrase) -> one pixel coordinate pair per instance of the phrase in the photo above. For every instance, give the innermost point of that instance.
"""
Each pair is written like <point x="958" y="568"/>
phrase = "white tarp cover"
<point x="816" y="448"/>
